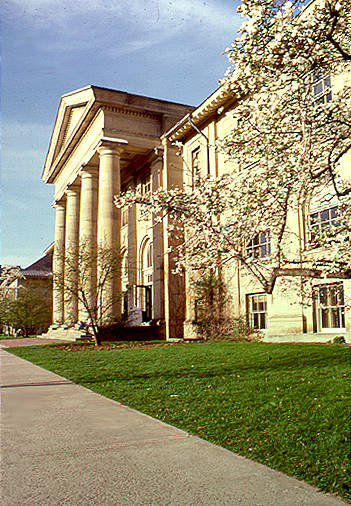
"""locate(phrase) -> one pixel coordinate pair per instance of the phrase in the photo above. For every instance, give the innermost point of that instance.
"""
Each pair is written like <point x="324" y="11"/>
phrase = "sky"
<point x="159" y="48"/>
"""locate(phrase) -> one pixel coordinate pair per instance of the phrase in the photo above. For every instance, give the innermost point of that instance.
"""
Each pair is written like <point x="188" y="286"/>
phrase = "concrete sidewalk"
<point x="65" y="445"/>
<point x="27" y="341"/>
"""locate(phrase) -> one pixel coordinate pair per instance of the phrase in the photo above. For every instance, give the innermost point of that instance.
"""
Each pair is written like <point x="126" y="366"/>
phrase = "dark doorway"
<point x="144" y="300"/>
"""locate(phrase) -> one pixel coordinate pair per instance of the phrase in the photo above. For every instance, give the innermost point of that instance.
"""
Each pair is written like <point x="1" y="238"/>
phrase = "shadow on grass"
<point x="284" y="365"/>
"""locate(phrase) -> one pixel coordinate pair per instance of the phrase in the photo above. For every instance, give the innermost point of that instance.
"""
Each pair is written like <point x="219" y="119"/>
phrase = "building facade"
<point x="279" y="316"/>
<point x="106" y="142"/>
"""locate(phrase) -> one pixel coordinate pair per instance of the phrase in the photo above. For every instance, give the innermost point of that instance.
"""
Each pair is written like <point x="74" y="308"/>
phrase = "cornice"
<point x="133" y="132"/>
<point x="126" y="111"/>
<point x="219" y="98"/>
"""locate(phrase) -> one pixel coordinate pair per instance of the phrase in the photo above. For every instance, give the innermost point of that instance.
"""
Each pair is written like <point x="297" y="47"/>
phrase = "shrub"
<point x="211" y="309"/>
<point x="339" y="340"/>
<point x="27" y="313"/>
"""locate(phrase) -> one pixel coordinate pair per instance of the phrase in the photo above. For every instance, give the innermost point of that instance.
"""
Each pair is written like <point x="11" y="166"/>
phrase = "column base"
<point x="190" y="330"/>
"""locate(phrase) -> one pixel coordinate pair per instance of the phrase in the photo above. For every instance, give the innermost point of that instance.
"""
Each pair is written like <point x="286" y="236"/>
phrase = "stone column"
<point x="132" y="255"/>
<point x="157" y="275"/>
<point x="87" y="238"/>
<point x="58" y="264"/>
<point x="174" y="289"/>
<point x="109" y="233"/>
<point x="71" y="255"/>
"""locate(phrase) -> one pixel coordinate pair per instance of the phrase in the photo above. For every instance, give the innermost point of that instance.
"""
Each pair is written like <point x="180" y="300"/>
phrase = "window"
<point x="259" y="246"/>
<point x="144" y="212"/>
<point x="125" y="266"/>
<point x="195" y="167"/>
<point x="147" y="264"/>
<point x="125" y="271"/>
<point x="149" y="257"/>
<point x="321" y="88"/>
<point x="124" y="216"/>
<point x="321" y="220"/>
<point x="257" y="311"/>
<point x="330" y="306"/>
<point x="146" y="186"/>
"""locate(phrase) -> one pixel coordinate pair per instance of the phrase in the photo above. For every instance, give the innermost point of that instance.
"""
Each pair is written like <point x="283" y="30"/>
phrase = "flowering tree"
<point x="290" y="141"/>
<point x="8" y="274"/>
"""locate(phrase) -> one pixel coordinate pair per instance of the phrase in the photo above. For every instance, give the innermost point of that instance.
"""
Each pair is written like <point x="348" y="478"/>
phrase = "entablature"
<point x="90" y="114"/>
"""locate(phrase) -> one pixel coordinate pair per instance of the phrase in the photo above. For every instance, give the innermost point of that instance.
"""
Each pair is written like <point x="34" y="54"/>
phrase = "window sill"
<point x="332" y="330"/>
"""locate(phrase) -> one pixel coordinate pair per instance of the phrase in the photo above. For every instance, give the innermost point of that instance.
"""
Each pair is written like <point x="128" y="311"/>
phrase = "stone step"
<point x="64" y="334"/>
<point x="112" y="333"/>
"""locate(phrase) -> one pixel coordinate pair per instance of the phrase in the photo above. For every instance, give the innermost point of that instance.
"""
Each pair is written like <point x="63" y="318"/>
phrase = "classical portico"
<point x="105" y="141"/>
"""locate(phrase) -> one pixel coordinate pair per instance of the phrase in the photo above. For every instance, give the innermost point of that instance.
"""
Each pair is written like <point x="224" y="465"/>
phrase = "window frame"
<point x="146" y="185"/>
<point x="252" y="247"/>
<point x="125" y="270"/>
<point x="324" y="81"/>
<point x="330" y="308"/>
<point x="261" y="314"/>
<point x="147" y="264"/>
<point x="195" y="166"/>
<point x="317" y="222"/>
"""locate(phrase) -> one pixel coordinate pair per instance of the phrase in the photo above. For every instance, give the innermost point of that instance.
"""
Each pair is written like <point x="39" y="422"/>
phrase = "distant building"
<point x="38" y="275"/>
<point x="37" y="280"/>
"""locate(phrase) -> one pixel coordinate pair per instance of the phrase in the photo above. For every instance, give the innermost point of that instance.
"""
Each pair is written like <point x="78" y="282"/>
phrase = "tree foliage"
<point x="290" y="146"/>
<point x="29" y="311"/>
<point x="8" y="273"/>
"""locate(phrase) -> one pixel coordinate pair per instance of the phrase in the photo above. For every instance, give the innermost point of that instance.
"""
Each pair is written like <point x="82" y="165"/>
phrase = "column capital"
<point x="72" y="190"/>
<point x="111" y="146"/>
<point x="59" y="204"/>
<point x="88" y="171"/>
<point x="159" y="151"/>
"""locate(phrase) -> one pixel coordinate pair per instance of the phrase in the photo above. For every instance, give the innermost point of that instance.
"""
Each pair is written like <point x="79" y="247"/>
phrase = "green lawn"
<point x="285" y="405"/>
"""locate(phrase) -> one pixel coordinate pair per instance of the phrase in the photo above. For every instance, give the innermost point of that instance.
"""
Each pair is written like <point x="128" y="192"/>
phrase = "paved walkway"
<point x="27" y="341"/>
<point x="65" y="445"/>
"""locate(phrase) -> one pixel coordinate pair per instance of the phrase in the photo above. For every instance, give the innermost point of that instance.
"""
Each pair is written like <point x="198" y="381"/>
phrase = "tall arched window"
<point x="147" y="264"/>
<point x="125" y="270"/>
<point x="125" y="265"/>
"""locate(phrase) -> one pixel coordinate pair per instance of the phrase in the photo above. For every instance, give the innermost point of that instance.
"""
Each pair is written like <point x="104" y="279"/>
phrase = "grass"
<point x="284" y="405"/>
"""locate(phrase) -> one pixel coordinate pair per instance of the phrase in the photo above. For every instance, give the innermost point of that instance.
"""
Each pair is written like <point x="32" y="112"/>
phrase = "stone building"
<point x="106" y="141"/>
<point x="37" y="276"/>
<point x="36" y="280"/>
<point x="279" y="316"/>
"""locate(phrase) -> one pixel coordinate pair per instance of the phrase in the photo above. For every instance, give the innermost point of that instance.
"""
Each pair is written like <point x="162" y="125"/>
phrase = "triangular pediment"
<point x="71" y="120"/>
<point x="72" y="110"/>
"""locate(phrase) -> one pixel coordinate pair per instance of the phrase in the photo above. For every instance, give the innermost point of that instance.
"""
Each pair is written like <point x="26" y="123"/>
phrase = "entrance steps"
<point x="65" y="333"/>
<point x="111" y="333"/>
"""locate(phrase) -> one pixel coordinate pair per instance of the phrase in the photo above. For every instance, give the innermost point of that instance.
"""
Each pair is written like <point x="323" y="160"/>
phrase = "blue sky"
<point x="159" y="48"/>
